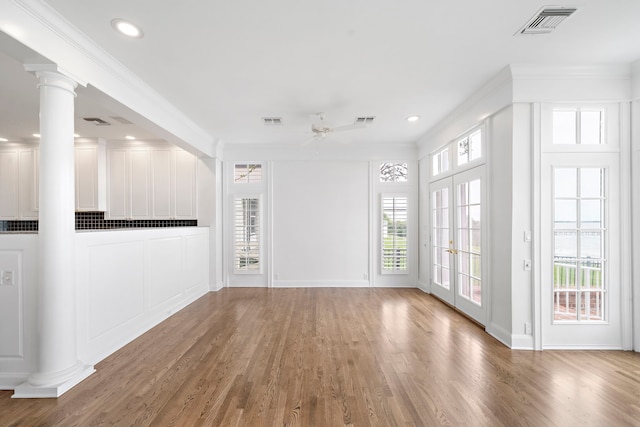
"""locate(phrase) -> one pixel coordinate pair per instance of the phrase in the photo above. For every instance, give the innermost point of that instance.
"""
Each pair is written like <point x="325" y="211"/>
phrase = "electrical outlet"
<point x="6" y="278"/>
<point x="527" y="328"/>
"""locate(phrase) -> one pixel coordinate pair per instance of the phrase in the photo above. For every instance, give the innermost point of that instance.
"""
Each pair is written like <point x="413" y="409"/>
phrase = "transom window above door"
<point x="578" y="126"/>
<point x="460" y="154"/>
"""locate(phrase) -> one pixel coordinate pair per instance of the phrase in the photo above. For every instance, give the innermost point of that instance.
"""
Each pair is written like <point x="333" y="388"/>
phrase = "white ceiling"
<point x="227" y="64"/>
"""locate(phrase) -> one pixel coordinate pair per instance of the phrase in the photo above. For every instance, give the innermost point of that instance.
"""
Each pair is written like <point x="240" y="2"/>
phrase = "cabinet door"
<point x="161" y="184"/>
<point x="86" y="178"/>
<point x="27" y="185"/>
<point x="185" y="185"/>
<point x="9" y="185"/>
<point x="117" y="191"/>
<point x="139" y="184"/>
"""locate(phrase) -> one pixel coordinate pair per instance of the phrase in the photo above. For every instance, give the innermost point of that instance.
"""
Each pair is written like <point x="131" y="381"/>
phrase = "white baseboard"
<point x="215" y="287"/>
<point x="499" y="333"/>
<point x="321" y="284"/>
<point x="424" y="287"/>
<point x="10" y="380"/>
<point x="521" y="342"/>
<point x="28" y="391"/>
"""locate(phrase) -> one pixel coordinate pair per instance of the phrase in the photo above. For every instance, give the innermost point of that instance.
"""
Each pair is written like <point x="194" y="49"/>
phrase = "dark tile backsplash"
<point x="96" y="221"/>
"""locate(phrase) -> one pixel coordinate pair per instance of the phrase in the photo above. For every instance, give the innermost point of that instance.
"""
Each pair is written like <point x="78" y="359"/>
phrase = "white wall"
<point x="521" y="223"/>
<point x="320" y="223"/>
<point x="635" y="192"/>
<point x="320" y="214"/>
<point x="500" y="196"/>
<point x="129" y="281"/>
<point x="210" y="193"/>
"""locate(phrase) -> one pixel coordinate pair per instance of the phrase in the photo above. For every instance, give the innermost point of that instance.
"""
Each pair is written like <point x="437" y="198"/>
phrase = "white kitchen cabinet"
<point x="18" y="191"/>
<point x="161" y="165"/>
<point x="151" y="182"/>
<point x="27" y="184"/>
<point x="185" y="201"/>
<point x="173" y="183"/>
<point x="128" y="184"/>
<point x="90" y="177"/>
<point x="9" y="184"/>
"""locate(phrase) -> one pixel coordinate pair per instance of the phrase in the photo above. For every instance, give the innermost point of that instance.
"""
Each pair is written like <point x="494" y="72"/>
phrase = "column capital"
<point x="51" y="75"/>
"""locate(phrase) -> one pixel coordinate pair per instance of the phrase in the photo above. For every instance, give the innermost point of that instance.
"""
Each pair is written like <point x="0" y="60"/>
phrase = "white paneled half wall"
<point x="130" y="281"/>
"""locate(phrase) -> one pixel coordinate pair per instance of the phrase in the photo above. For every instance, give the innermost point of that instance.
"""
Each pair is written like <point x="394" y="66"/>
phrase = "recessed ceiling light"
<point x="127" y="28"/>
<point x="4" y="140"/>
<point x="75" y="135"/>
<point x="413" y="118"/>
<point x="37" y="135"/>
<point x="130" y="138"/>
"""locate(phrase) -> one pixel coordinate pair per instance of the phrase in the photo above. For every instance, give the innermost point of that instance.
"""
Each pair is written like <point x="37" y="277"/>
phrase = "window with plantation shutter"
<point x="246" y="234"/>
<point x="394" y="234"/>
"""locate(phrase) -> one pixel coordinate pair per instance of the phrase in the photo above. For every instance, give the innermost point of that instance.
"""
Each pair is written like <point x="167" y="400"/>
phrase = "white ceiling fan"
<point x="321" y="129"/>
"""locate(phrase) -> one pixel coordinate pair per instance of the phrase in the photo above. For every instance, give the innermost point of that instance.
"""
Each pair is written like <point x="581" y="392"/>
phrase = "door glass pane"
<point x="590" y="182"/>
<point x="592" y="305"/>
<point x="590" y="214"/>
<point x="469" y="248"/>
<point x="463" y="286"/>
<point x="566" y="244"/>
<point x="591" y="275"/>
<point x="565" y="182"/>
<point x="579" y="244"/>
<point x="566" y="214"/>
<point x="474" y="192"/>
<point x="591" y="244"/>
<point x="440" y="237"/>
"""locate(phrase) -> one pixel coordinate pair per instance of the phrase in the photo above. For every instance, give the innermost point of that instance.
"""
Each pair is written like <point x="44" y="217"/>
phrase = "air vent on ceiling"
<point x="366" y="120"/>
<point x="121" y="120"/>
<point x="97" y="121"/>
<point x="546" y="20"/>
<point x="272" y="120"/>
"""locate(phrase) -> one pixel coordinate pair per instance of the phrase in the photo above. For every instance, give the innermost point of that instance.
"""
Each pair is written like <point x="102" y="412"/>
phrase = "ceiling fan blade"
<point x="349" y="127"/>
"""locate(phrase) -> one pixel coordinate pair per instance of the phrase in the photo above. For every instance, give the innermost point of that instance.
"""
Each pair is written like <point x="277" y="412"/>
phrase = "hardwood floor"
<point x="334" y="357"/>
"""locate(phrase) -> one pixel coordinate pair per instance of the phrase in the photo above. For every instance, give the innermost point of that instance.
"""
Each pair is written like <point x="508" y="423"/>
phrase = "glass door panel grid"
<point x="469" y="241"/>
<point x="579" y="287"/>
<point x="440" y="237"/>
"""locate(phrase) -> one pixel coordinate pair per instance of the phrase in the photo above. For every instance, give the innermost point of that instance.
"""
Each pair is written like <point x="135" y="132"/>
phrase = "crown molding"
<point x="571" y="72"/>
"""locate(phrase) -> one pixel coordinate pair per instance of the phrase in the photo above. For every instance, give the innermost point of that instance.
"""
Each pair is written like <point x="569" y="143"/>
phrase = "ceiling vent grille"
<point x="271" y="121"/>
<point x="546" y="20"/>
<point x="366" y="120"/>
<point x="97" y="121"/>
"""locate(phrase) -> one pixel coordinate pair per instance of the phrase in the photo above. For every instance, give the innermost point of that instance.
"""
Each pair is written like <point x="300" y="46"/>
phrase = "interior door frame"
<point x="593" y="335"/>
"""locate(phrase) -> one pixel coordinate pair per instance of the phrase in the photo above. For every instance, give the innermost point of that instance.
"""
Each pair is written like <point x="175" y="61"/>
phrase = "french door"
<point x="457" y="242"/>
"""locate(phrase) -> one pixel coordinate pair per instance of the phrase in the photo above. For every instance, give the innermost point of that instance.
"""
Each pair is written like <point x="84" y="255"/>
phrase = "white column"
<point x="58" y="367"/>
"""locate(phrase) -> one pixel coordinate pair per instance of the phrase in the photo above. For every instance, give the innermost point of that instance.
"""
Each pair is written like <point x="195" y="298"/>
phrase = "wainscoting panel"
<point x="129" y="281"/>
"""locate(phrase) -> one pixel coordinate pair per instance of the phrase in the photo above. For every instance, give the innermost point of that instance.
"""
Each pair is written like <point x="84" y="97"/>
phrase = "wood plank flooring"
<point x="337" y="357"/>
